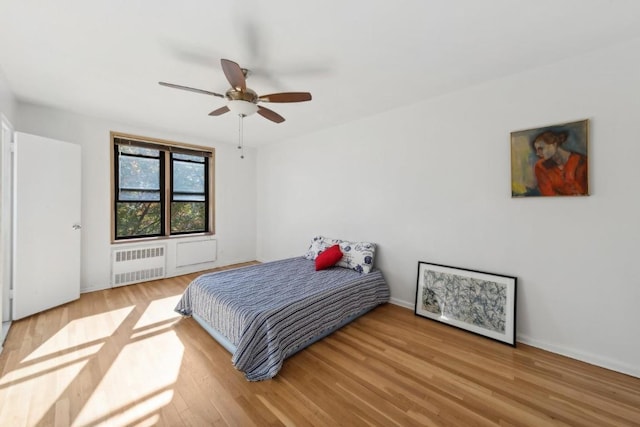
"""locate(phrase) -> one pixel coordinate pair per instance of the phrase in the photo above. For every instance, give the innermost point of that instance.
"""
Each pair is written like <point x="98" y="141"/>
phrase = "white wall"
<point x="7" y="99"/>
<point x="431" y="182"/>
<point x="235" y="191"/>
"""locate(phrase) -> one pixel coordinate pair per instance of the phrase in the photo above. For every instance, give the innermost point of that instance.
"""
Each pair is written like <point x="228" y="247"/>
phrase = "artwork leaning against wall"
<point x="479" y="302"/>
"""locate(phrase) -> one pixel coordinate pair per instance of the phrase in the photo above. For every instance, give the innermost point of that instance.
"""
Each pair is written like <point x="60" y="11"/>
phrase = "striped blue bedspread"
<point x="269" y="311"/>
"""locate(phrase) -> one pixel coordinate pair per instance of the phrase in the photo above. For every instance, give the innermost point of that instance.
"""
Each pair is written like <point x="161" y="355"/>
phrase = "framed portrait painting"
<point x="478" y="302"/>
<point x="550" y="161"/>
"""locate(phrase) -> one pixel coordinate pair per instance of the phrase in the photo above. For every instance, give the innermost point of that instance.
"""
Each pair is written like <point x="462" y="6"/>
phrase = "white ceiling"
<point x="104" y="58"/>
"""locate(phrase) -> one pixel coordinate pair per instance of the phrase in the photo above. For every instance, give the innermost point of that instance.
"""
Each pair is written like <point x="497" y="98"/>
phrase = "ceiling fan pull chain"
<point x="241" y="134"/>
<point x="239" y="131"/>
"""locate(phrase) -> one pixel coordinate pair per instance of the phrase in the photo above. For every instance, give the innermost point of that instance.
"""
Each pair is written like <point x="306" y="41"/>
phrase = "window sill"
<point x="161" y="238"/>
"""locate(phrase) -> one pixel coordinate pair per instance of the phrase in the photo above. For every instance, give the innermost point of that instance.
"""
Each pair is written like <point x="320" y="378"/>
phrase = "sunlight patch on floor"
<point x="22" y="388"/>
<point x="81" y="331"/>
<point x="159" y="311"/>
<point x="136" y="377"/>
<point x="138" y="383"/>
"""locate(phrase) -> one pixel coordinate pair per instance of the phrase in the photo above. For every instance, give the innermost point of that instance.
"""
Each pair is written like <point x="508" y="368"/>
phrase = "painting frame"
<point x="494" y="317"/>
<point x="551" y="160"/>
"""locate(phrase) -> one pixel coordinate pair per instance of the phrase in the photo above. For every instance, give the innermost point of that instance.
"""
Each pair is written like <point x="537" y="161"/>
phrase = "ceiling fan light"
<point x="240" y="107"/>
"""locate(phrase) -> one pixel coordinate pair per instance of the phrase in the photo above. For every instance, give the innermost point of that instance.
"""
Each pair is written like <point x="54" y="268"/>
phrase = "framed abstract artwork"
<point x="550" y="161"/>
<point x="478" y="302"/>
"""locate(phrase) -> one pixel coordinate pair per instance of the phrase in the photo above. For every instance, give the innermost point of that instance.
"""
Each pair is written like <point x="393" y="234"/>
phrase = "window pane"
<point x="189" y="197"/>
<point x="188" y="177"/>
<point x="188" y="217"/>
<point x="139" y="195"/>
<point x="198" y="159"/>
<point x="138" y="219"/>
<point x="138" y="173"/>
<point x="127" y="149"/>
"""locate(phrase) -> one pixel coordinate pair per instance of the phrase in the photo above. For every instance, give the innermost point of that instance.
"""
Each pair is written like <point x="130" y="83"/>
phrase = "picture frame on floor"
<point x="475" y="301"/>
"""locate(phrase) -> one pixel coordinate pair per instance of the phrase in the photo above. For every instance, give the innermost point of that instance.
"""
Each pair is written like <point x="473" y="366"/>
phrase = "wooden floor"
<point x="123" y="357"/>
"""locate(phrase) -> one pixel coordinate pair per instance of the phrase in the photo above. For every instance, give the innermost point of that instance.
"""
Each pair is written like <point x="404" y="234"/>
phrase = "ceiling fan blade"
<point x="219" y="111"/>
<point x="234" y="74"/>
<point x="191" y="89"/>
<point x="286" y="97"/>
<point x="270" y="114"/>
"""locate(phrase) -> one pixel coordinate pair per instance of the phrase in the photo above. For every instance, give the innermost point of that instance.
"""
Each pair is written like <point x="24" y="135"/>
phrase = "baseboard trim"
<point x="95" y="288"/>
<point x="589" y="358"/>
<point x="401" y="303"/>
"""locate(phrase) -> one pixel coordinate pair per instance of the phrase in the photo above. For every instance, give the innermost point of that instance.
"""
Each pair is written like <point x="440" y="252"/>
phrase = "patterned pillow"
<point x="316" y="247"/>
<point x="358" y="256"/>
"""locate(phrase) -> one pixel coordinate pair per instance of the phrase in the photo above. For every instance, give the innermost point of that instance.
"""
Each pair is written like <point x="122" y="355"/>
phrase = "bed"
<point x="264" y="313"/>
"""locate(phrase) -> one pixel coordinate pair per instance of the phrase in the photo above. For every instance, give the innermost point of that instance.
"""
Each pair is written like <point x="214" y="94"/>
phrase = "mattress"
<point x="266" y="312"/>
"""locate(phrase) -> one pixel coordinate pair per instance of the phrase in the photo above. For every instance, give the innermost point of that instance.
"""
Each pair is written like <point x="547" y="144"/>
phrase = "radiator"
<point x="137" y="264"/>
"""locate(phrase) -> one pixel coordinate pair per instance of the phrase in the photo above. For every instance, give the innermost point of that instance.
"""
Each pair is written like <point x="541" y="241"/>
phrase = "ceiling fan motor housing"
<point x="242" y="95"/>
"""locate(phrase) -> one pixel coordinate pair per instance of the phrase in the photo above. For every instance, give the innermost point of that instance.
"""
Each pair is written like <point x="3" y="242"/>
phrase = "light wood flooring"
<point x="123" y="357"/>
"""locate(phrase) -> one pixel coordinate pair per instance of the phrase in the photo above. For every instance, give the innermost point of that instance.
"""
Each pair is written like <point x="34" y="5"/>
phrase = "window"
<point x="160" y="188"/>
<point x="188" y="193"/>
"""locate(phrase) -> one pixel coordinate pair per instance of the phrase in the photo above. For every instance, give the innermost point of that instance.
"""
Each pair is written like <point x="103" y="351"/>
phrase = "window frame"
<point x="116" y="193"/>
<point x="172" y="192"/>
<point x="167" y="149"/>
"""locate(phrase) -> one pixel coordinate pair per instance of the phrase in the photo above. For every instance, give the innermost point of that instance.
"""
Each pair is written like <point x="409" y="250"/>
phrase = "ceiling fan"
<point x="243" y="100"/>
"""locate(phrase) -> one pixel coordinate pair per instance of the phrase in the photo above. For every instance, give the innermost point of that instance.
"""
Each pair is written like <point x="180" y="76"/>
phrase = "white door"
<point x="6" y="175"/>
<point x="46" y="262"/>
